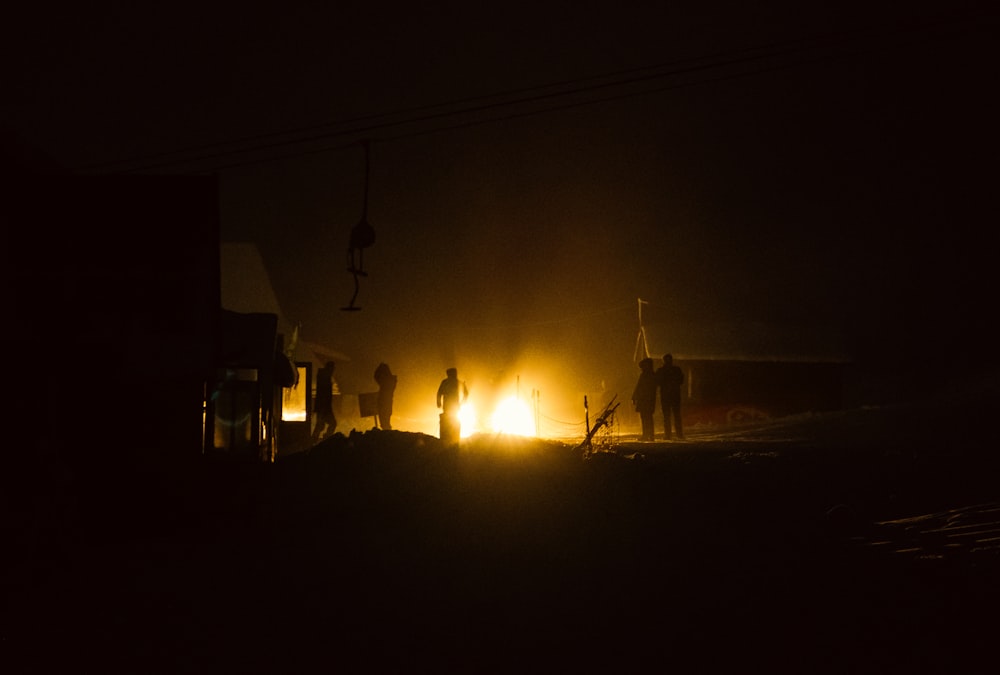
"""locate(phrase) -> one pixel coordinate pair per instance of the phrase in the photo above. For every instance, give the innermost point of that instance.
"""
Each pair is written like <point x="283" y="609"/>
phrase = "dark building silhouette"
<point x="113" y="325"/>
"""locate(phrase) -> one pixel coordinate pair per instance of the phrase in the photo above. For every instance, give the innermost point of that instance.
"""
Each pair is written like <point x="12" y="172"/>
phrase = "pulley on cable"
<point x="362" y="236"/>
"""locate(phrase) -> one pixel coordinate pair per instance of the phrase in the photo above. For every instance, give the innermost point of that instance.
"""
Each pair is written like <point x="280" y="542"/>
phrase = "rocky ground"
<point x="860" y="541"/>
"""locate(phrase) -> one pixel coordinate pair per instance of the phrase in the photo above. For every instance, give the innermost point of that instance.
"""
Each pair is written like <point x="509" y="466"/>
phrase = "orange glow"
<point x="501" y="403"/>
<point x="513" y="416"/>
<point x="467" y="418"/>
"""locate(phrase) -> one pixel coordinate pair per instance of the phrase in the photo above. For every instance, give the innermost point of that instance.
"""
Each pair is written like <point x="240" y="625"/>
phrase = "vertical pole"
<point x="367" y="147"/>
<point x="642" y="335"/>
<point x="536" y="397"/>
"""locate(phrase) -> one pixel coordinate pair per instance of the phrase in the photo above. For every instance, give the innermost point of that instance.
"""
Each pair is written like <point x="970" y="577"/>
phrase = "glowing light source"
<point x="467" y="418"/>
<point x="513" y="416"/>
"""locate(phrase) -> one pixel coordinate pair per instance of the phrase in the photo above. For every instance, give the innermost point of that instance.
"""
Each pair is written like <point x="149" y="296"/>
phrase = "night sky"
<point x="774" y="182"/>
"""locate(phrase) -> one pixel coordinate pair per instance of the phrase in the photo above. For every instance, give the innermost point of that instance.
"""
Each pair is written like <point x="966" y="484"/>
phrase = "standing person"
<point x="644" y="398"/>
<point x="326" y="421"/>
<point x="451" y="394"/>
<point x="386" y="388"/>
<point x="671" y="377"/>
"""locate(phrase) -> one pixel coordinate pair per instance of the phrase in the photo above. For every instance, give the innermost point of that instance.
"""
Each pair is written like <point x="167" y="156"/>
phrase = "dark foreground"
<point x="764" y="549"/>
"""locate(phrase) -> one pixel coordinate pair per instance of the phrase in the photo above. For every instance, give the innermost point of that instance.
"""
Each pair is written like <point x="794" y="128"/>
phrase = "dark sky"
<point x="774" y="181"/>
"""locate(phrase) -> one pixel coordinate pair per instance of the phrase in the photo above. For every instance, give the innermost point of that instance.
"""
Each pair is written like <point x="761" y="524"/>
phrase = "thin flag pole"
<point x="641" y="337"/>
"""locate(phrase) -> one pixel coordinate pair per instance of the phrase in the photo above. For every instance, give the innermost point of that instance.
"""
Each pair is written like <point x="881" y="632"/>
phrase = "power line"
<point x="478" y="100"/>
<point x="763" y="59"/>
<point x="395" y="118"/>
<point x="699" y="67"/>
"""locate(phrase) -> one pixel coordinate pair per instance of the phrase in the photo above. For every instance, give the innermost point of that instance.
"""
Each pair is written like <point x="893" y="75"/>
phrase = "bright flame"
<point x="467" y="418"/>
<point x="513" y="416"/>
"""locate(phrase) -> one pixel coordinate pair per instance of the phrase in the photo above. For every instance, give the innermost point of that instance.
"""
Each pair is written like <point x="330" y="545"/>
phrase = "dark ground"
<point x="761" y="549"/>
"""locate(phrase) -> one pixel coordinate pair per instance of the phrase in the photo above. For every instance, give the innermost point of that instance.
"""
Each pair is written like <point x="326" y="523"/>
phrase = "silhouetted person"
<point x="386" y="388"/>
<point x="451" y="394"/>
<point x="670" y="379"/>
<point x="326" y="421"/>
<point x="644" y="398"/>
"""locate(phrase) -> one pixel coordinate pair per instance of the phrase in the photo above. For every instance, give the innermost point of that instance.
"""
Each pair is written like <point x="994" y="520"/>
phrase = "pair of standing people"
<point x="668" y="379"/>
<point x="326" y="419"/>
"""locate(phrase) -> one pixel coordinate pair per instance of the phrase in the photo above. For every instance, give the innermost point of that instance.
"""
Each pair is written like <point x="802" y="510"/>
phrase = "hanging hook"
<point x="362" y="236"/>
<point x="350" y="307"/>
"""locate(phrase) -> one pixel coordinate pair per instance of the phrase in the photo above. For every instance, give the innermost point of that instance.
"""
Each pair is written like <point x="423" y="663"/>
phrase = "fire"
<point x="512" y="416"/>
<point x="467" y="418"/>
